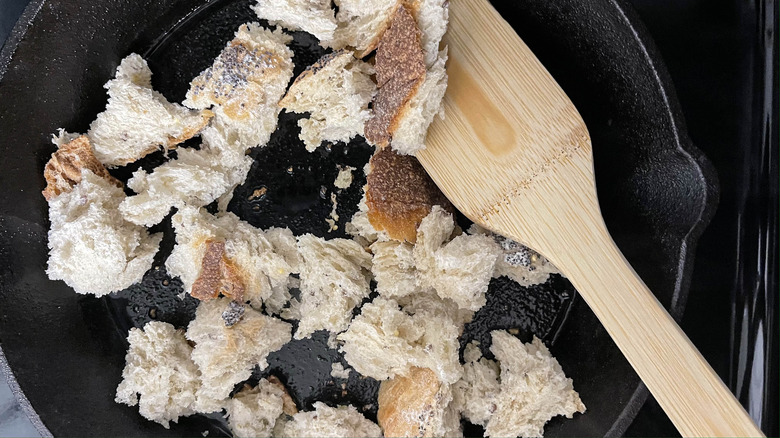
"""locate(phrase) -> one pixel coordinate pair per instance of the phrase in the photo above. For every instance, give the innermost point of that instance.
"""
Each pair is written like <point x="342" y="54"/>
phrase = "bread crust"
<point x="235" y="80"/>
<point x="218" y="275"/>
<point x="400" y="194"/>
<point x="407" y="404"/>
<point x="63" y="171"/>
<point x="400" y="70"/>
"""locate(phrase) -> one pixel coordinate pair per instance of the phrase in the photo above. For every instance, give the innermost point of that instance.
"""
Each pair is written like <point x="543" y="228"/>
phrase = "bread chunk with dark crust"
<point x="400" y="69"/>
<point x="399" y="194"/>
<point x="217" y="275"/>
<point x="63" y="171"/>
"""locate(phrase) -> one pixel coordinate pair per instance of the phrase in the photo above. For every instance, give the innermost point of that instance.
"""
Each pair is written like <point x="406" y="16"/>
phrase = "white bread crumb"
<point x="344" y="178"/>
<point x="245" y="83"/>
<point x="253" y="412"/>
<point x="532" y="389"/>
<point x="63" y="137"/>
<point x="313" y="16"/>
<point x="333" y="217"/>
<point x="261" y="269"/>
<point x="334" y="280"/>
<point x="227" y="355"/>
<point x="338" y="371"/>
<point x="139" y="120"/>
<point x="385" y="341"/>
<point x="91" y="247"/>
<point x="327" y="422"/>
<point x="159" y="375"/>
<point x="336" y="91"/>
<point x="418" y="114"/>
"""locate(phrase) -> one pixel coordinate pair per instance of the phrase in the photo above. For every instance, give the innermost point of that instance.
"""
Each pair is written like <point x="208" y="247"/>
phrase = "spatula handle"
<point x="686" y="387"/>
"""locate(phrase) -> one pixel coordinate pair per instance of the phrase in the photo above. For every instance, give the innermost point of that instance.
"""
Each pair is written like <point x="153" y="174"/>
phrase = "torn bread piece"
<point x="316" y="17"/>
<point x="400" y="69"/>
<point x="417" y="405"/>
<point x="459" y="269"/>
<point x="159" y="375"/>
<point x="412" y="126"/>
<point x="91" y="247"/>
<point x="327" y="422"/>
<point x="385" y="341"/>
<point x="399" y="194"/>
<point x="253" y="412"/>
<point x="361" y="24"/>
<point x="432" y="17"/>
<point x="430" y="302"/>
<point x="532" y="389"/>
<point x="138" y="120"/>
<point x="63" y="170"/>
<point x="336" y="91"/>
<point x="196" y="178"/>
<point x="245" y="83"/>
<point x="394" y="269"/>
<point x="224" y="255"/>
<point x="286" y="245"/>
<point x="226" y="355"/>
<point x="335" y="278"/>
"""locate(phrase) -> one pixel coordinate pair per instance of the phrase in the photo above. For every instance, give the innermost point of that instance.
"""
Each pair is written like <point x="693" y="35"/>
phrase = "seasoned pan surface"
<point x="67" y="351"/>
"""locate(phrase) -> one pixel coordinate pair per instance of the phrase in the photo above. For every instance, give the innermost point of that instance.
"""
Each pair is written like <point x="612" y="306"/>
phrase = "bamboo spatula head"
<point x="514" y="155"/>
<point x="511" y="142"/>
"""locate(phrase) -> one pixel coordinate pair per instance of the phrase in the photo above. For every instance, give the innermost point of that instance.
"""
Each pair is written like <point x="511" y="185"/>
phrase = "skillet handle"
<point x="686" y="387"/>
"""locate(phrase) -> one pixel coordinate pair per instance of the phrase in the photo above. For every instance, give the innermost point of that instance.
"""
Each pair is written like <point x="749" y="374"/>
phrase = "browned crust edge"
<point x="218" y="275"/>
<point x="63" y="170"/>
<point x="400" y="194"/>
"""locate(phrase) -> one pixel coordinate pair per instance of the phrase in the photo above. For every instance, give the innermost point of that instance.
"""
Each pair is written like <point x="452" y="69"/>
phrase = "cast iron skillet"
<point x="67" y="351"/>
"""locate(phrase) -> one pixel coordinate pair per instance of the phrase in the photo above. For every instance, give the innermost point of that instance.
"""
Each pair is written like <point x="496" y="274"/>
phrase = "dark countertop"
<point x="719" y="54"/>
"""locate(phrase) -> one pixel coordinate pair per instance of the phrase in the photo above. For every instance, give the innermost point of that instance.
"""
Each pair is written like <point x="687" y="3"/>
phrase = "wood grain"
<point x="514" y="155"/>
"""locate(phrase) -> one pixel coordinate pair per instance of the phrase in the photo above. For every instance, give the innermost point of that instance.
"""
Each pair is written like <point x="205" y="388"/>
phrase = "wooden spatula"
<point x="514" y="155"/>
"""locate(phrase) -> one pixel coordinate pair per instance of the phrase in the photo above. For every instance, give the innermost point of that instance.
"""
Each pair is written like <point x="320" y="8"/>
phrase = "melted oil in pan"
<point x="290" y="187"/>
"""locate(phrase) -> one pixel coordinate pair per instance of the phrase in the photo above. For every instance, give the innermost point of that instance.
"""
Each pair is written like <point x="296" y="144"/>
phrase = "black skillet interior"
<point x="67" y="351"/>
